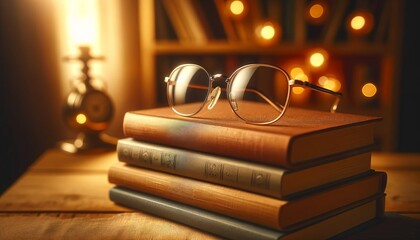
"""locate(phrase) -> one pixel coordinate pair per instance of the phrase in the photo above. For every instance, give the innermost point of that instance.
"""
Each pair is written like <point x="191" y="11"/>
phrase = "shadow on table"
<point x="391" y="226"/>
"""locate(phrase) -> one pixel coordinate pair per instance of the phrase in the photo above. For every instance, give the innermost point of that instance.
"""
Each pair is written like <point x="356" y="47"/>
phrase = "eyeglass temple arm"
<point x="260" y="94"/>
<point x="167" y="80"/>
<point x="306" y="84"/>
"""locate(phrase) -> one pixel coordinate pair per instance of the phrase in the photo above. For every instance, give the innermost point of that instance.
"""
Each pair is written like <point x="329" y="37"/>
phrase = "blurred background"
<point x="367" y="49"/>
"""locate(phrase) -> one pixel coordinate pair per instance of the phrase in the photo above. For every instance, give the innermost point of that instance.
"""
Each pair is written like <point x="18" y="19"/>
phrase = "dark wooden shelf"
<point x="224" y="47"/>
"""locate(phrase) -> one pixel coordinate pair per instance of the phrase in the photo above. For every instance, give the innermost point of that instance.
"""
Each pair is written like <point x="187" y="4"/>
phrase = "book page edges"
<point x="299" y="210"/>
<point x="324" y="174"/>
<point x="315" y="145"/>
<point x="337" y="224"/>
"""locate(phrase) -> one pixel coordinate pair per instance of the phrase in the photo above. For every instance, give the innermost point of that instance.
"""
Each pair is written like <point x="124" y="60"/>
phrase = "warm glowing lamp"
<point x="268" y="32"/>
<point x="316" y="12"/>
<point x="360" y="23"/>
<point x="369" y="90"/>
<point x="88" y="110"/>
<point x="83" y="23"/>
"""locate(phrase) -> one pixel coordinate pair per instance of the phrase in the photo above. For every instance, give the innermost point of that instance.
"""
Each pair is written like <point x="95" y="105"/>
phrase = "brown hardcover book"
<point x="300" y="137"/>
<point x="247" y="206"/>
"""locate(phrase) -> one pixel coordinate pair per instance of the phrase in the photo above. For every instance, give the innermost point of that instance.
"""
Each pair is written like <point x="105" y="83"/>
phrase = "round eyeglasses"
<point x="257" y="93"/>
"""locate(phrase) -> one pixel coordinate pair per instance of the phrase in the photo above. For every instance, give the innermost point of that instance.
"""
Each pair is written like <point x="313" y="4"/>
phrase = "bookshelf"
<point x="221" y="46"/>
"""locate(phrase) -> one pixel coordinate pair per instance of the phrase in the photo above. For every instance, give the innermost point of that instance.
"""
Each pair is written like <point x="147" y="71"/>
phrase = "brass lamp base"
<point x="89" y="142"/>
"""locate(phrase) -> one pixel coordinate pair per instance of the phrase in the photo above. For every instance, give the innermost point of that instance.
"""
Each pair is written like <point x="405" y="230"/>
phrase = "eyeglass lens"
<point x="257" y="93"/>
<point x="189" y="89"/>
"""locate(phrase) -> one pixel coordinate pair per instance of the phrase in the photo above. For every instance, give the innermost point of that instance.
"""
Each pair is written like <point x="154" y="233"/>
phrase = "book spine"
<point x="262" y="147"/>
<point x="235" y="203"/>
<point x="266" y="180"/>
<point x="255" y="208"/>
<point x="206" y="221"/>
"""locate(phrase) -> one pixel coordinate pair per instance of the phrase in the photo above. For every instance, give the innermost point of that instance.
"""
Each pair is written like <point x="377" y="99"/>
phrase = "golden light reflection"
<point x="298" y="73"/>
<point x="316" y="11"/>
<point x="360" y="22"/>
<point x="297" y="90"/>
<point x="295" y="71"/>
<point x="78" y="143"/>
<point x="330" y="83"/>
<point x="81" y="118"/>
<point x="302" y="76"/>
<point x="369" y="90"/>
<point x="317" y="59"/>
<point x="236" y="7"/>
<point x="322" y="80"/>
<point x="268" y="32"/>
<point x="82" y="22"/>
<point x="357" y="22"/>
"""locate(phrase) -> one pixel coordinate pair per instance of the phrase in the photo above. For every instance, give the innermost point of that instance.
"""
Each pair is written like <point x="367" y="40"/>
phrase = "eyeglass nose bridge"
<point x="215" y="93"/>
<point x="213" y="97"/>
<point x="219" y="76"/>
<point x="226" y="79"/>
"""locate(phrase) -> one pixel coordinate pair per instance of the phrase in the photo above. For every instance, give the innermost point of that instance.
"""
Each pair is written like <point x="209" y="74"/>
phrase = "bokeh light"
<point x="369" y="90"/>
<point x="298" y="73"/>
<point x="317" y="59"/>
<point x="357" y="22"/>
<point x="360" y="22"/>
<point x="316" y="11"/>
<point x="237" y="8"/>
<point x="330" y="83"/>
<point x="81" y="118"/>
<point x="268" y="32"/>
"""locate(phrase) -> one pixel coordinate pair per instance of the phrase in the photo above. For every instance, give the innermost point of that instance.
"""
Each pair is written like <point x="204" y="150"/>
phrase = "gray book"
<point x="245" y="175"/>
<point x="231" y="228"/>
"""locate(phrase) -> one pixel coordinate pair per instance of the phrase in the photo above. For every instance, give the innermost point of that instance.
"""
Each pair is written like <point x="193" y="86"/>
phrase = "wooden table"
<point x="64" y="196"/>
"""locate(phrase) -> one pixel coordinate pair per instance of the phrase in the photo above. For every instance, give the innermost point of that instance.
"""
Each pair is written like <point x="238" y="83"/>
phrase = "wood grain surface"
<point x="64" y="196"/>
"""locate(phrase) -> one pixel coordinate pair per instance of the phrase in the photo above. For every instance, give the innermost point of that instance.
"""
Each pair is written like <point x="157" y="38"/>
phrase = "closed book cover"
<point x="247" y="206"/>
<point x="258" y="178"/>
<point x="230" y="228"/>
<point x="300" y="136"/>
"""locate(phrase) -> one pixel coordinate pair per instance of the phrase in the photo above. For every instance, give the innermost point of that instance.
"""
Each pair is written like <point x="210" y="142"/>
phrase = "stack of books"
<point x="308" y="175"/>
